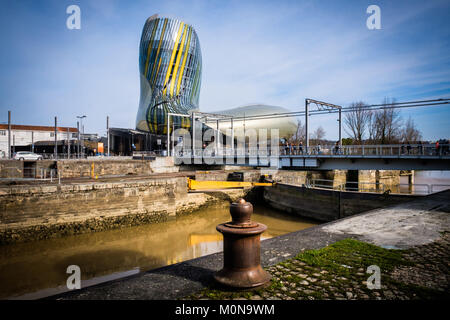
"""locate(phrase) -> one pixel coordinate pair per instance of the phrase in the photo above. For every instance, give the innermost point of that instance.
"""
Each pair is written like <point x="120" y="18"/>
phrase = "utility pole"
<point x="340" y="128"/>
<point x="216" y="138"/>
<point x="56" y="139"/>
<point x="193" y="134"/>
<point x="32" y="141"/>
<point x="9" y="134"/>
<point x="168" y="135"/>
<point x="82" y="128"/>
<point x="78" y="130"/>
<point x="232" y="137"/>
<point x="306" y="126"/>
<point x="107" y="132"/>
<point x="68" y="143"/>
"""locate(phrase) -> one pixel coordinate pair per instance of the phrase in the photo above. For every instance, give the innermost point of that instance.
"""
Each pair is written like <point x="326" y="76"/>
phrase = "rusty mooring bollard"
<point x="241" y="249"/>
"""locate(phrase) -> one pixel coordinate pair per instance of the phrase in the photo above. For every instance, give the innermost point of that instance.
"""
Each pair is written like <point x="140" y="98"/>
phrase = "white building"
<point x="23" y="135"/>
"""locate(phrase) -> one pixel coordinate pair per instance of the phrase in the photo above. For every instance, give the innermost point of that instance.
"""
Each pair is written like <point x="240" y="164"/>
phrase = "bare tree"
<point x="372" y="127"/>
<point x="299" y="134"/>
<point x="318" y="134"/>
<point x="387" y="123"/>
<point x="357" y="121"/>
<point x="410" y="132"/>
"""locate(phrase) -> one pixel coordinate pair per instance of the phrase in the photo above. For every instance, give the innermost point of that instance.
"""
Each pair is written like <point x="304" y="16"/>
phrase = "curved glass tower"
<point x="170" y="67"/>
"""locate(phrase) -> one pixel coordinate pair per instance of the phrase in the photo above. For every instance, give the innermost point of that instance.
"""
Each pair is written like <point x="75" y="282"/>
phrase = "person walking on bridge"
<point x="286" y="148"/>
<point x="336" y="148"/>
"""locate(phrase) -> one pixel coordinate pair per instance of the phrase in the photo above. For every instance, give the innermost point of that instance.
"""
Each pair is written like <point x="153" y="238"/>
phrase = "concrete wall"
<point x="46" y="211"/>
<point x="326" y="205"/>
<point x="76" y="168"/>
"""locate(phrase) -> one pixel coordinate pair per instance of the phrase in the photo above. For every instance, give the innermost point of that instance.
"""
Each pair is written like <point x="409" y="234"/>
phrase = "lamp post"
<point x="82" y="129"/>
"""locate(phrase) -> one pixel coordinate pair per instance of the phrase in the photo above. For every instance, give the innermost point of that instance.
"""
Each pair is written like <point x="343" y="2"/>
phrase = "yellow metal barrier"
<point x="205" y="185"/>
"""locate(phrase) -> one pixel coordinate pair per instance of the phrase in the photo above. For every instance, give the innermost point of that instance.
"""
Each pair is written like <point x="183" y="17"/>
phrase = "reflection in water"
<point x="38" y="269"/>
<point x="426" y="182"/>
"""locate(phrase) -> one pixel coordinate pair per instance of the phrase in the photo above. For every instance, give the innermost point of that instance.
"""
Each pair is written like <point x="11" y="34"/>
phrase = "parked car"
<point x="27" y="155"/>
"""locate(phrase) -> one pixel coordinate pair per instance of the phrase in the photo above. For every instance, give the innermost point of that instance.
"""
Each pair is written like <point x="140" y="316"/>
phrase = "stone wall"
<point x="46" y="211"/>
<point x="327" y="205"/>
<point x="84" y="168"/>
<point x="76" y="168"/>
<point x="11" y="169"/>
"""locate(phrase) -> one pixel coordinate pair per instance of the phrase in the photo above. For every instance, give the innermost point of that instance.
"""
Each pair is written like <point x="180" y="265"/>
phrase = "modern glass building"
<point x="170" y="67"/>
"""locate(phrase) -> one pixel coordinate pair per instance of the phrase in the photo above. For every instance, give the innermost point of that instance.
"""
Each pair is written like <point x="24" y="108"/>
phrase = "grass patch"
<point x="346" y="255"/>
<point x="331" y="271"/>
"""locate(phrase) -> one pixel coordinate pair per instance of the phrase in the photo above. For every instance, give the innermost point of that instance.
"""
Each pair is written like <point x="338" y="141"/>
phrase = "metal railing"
<point x="370" y="150"/>
<point x="32" y="173"/>
<point x="347" y="186"/>
<point x="398" y="150"/>
<point x="377" y="187"/>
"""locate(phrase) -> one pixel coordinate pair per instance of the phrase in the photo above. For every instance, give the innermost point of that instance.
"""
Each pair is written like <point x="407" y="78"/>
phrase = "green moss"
<point x="346" y="255"/>
<point x="337" y="267"/>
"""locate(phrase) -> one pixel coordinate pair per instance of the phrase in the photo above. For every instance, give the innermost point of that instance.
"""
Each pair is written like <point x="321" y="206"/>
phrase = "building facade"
<point x="25" y="137"/>
<point x="170" y="70"/>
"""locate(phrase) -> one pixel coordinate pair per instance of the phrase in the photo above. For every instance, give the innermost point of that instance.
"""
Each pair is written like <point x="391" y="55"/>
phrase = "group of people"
<point x="441" y="148"/>
<point x="292" y="149"/>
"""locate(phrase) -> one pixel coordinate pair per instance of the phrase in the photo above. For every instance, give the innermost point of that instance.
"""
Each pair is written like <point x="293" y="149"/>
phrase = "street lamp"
<point x="82" y="129"/>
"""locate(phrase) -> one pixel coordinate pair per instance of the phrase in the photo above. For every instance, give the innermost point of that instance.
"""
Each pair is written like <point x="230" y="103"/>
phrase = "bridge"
<point x="347" y="157"/>
<point x="338" y="156"/>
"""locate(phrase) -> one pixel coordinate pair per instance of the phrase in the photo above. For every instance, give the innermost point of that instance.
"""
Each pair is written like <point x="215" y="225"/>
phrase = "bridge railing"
<point x="369" y="150"/>
<point x="403" y="150"/>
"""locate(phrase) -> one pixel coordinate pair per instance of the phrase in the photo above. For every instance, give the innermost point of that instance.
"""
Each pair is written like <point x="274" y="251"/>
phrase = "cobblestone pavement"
<point x="339" y="272"/>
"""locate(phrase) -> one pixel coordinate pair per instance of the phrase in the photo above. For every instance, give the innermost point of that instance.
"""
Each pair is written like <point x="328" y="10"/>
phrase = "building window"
<point x="74" y="135"/>
<point x="2" y="132"/>
<point x="52" y="134"/>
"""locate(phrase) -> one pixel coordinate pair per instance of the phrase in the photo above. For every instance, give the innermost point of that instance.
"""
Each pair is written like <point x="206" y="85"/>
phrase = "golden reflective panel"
<point x="38" y="269"/>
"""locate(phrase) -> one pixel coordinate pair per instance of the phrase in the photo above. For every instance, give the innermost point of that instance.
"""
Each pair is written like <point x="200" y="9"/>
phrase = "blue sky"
<point x="272" y="52"/>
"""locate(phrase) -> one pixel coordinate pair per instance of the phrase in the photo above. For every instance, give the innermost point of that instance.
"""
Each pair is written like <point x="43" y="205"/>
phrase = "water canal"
<point x="38" y="269"/>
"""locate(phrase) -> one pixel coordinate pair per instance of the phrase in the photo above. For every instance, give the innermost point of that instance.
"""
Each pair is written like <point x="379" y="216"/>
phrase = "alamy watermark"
<point x="74" y="20"/>
<point x="249" y="146"/>
<point x="74" y="280"/>
<point x="374" y="281"/>
<point x="374" y="20"/>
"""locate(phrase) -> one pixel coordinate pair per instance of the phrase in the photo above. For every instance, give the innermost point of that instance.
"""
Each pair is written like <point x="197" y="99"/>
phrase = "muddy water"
<point x="38" y="269"/>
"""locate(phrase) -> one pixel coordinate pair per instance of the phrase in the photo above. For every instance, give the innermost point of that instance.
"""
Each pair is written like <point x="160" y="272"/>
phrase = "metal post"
<point x="32" y="141"/>
<point x="14" y="143"/>
<point x="56" y="140"/>
<point x="232" y="137"/>
<point x="216" y="138"/>
<point x="173" y="140"/>
<point x="9" y="134"/>
<point x="193" y="134"/>
<point x="306" y="127"/>
<point x="340" y="128"/>
<point x="107" y="132"/>
<point x="168" y="135"/>
<point x="68" y="143"/>
<point x="82" y="138"/>
<point x="78" y="130"/>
